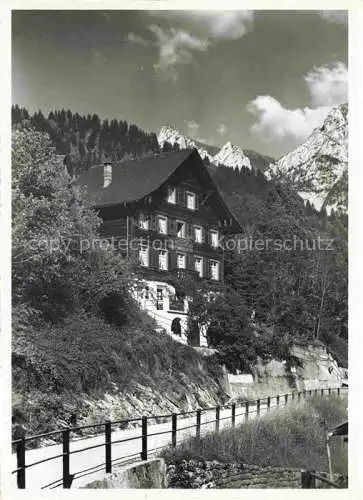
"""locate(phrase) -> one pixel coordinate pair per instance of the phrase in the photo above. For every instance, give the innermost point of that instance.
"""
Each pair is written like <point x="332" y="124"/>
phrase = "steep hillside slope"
<point x="318" y="168"/>
<point x="85" y="370"/>
<point x="88" y="140"/>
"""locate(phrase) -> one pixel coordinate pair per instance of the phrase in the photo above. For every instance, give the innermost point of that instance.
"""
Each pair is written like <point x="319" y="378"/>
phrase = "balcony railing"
<point x="185" y="273"/>
<point x="176" y="305"/>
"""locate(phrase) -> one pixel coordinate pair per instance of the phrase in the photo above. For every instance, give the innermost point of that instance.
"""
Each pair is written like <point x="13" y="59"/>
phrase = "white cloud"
<point x="222" y="129"/>
<point x="175" y="47"/>
<point x="276" y="122"/>
<point x="334" y="16"/>
<point x="195" y="31"/>
<point x="327" y="87"/>
<point x="220" y="24"/>
<point x="133" y="38"/>
<point x="193" y="128"/>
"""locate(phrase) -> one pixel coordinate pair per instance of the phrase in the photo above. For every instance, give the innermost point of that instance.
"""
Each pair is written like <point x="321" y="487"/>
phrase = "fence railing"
<point x="254" y="406"/>
<point x="309" y="477"/>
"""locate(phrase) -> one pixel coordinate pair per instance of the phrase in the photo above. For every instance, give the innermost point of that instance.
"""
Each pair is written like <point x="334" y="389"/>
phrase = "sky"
<point x="259" y="79"/>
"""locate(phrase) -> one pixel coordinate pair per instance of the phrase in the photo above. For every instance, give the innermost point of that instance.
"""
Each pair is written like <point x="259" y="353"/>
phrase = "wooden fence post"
<point x="277" y="400"/>
<point x="20" y="455"/>
<point x="258" y="404"/>
<point x="329" y="391"/>
<point x="286" y="398"/>
<point x="268" y="403"/>
<point x="108" y="458"/>
<point x="144" y="438"/>
<point x="218" y="411"/>
<point x="233" y="414"/>
<point x="322" y="392"/>
<point x="338" y="391"/>
<point x="246" y="409"/>
<point x="307" y="479"/>
<point x="299" y="395"/>
<point x="173" y="429"/>
<point x="67" y="478"/>
<point x="197" y="432"/>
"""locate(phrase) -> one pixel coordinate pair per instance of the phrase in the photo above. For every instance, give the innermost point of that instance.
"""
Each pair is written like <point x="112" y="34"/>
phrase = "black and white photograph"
<point x="179" y="249"/>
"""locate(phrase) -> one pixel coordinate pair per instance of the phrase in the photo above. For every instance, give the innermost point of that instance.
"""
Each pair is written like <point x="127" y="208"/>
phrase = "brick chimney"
<point x="107" y="174"/>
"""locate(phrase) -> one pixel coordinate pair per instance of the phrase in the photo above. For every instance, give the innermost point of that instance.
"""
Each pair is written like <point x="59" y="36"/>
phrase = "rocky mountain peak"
<point x="229" y="155"/>
<point x="318" y="168"/>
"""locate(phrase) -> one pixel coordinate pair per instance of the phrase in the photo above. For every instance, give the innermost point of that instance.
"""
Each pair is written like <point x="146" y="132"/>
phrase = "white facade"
<point x="156" y="298"/>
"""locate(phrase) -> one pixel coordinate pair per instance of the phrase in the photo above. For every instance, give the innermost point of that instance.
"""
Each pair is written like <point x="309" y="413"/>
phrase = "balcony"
<point x="185" y="273"/>
<point x="182" y="245"/>
<point x="176" y="305"/>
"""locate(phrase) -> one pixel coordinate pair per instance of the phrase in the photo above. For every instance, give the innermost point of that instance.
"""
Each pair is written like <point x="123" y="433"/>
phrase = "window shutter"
<point x="153" y="222"/>
<point x="180" y="195"/>
<point x="172" y="260"/>
<point x="169" y="225"/>
<point x="190" y="262"/>
<point x="206" y="268"/>
<point x="189" y="230"/>
<point x="173" y="227"/>
<point x="196" y="201"/>
<point x="154" y="254"/>
<point x="204" y="234"/>
<point x="221" y="270"/>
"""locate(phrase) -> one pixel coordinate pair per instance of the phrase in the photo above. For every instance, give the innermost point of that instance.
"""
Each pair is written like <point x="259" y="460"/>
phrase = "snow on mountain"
<point x="174" y="136"/>
<point x="228" y="155"/>
<point x="318" y="168"/>
<point x="232" y="156"/>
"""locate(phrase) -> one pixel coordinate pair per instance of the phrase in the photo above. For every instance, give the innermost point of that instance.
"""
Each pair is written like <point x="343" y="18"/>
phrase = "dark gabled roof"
<point x="134" y="179"/>
<point x="131" y="179"/>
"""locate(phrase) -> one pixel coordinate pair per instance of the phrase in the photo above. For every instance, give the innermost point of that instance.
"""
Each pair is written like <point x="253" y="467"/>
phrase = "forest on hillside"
<point x="86" y="139"/>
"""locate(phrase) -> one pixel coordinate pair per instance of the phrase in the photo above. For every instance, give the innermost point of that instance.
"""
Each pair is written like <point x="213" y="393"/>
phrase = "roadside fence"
<point x="237" y="409"/>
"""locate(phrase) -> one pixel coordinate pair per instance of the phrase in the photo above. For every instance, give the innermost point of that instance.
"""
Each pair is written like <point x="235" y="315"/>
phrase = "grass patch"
<point x="287" y="437"/>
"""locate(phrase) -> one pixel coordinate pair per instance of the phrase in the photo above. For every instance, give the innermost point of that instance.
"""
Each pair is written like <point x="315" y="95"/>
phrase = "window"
<point x="162" y="224"/>
<point x="144" y="221"/>
<point x="180" y="229"/>
<point x="171" y="196"/>
<point x="163" y="260"/>
<point x="198" y="234"/>
<point x="214" y="269"/>
<point x="159" y="299"/>
<point x="214" y="238"/>
<point x="144" y="255"/>
<point x="180" y="260"/>
<point x="191" y="202"/>
<point x="198" y="265"/>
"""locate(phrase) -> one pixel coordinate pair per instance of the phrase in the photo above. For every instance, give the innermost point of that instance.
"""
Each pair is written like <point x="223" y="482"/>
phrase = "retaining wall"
<point x="147" y="474"/>
<point x="214" y="474"/>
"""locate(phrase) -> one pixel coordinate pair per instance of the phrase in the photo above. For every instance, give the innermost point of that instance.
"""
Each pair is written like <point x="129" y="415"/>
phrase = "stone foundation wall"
<point x="146" y="474"/>
<point x="214" y="474"/>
